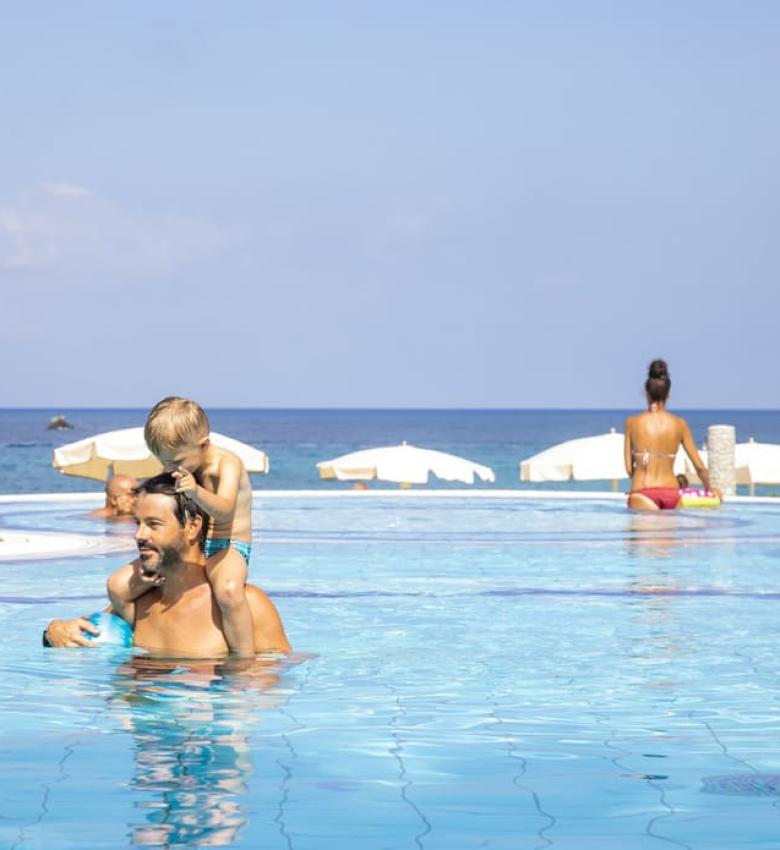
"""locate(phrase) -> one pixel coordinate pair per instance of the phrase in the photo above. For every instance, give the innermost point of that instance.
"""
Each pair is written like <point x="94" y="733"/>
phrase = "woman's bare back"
<point x="652" y="441"/>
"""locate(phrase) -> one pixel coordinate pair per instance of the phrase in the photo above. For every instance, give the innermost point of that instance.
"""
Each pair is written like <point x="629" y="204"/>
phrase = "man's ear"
<point x="193" y="528"/>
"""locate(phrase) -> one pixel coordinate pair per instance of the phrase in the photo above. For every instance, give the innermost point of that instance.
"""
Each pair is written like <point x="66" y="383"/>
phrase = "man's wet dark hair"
<point x="164" y="484"/>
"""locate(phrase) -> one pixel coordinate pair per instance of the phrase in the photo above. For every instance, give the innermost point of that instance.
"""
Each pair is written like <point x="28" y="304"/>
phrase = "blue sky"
<point x="506" y="204"/>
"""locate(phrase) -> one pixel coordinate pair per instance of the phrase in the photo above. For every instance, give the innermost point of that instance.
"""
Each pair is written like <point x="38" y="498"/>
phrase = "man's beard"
<point x="169" y="557"/>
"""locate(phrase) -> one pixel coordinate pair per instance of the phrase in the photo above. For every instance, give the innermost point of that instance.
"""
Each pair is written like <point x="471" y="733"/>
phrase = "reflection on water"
<point x="191" y="723"/>
<point x="664" y="534"/>
<point x="652" y="534"/>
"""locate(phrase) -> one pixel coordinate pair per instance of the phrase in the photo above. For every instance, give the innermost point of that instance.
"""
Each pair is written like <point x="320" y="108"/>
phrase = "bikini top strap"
<point x="646" y="454"/>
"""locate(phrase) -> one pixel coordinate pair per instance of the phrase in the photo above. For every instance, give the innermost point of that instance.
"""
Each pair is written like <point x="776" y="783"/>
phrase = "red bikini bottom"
<point x="667" y="498"/>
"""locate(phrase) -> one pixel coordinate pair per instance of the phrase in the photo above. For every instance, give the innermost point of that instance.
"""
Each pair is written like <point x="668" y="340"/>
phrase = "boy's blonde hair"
<point x="175" y="422"/>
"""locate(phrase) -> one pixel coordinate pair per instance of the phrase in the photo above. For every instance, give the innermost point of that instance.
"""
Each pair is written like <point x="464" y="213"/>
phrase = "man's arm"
<point x="222" y="504"/>
<point x="125" y="608"/>
<point x="129" y="582"/>
<point x="68" y="633"/>
<point x="71" y="633"/>
<point x="269" y="631"/>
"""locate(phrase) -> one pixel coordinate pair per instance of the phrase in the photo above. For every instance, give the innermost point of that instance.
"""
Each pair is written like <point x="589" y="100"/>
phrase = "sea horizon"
<point x="296" y="439"/>
<point x="374" y="409"/>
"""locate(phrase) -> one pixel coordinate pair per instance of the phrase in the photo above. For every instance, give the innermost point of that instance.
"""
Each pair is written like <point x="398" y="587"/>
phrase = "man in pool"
<point x="177" y="615"/>
<point x="120" y="498"/>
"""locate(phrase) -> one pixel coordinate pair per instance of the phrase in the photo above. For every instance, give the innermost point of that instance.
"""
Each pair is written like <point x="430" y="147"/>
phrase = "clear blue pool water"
<point x="471" y="672"/>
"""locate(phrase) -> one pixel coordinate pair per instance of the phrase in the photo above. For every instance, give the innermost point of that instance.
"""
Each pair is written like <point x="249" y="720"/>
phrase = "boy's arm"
<point x="222" y="504"/>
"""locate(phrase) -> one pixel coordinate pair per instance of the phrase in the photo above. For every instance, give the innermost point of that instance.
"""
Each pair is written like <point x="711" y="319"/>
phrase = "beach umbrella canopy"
<point x="403" y="464"/>
<point x="757" y="463"/>
<point x="584" y="459"/>
<point x="125" y="452"/>
<point x="754" y="463"/>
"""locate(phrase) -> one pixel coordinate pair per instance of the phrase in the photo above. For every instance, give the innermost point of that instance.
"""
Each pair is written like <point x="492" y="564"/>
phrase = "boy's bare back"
<point x="222" y="471"/>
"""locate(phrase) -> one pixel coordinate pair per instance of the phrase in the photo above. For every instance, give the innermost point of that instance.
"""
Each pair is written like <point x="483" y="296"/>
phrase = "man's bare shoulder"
<point x="269" y="630"/>
<point x="259" y="596"/>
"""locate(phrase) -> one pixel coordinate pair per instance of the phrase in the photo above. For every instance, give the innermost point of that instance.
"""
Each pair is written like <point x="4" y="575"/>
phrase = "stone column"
<point x="720" y="451"/>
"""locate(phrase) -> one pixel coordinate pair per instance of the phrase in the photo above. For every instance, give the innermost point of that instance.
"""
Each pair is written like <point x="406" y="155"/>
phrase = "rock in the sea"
<point x="58" y="423"/>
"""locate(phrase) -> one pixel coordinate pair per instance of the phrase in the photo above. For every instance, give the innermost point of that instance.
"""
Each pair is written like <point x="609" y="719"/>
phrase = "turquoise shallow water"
<point x="468" y="673"/>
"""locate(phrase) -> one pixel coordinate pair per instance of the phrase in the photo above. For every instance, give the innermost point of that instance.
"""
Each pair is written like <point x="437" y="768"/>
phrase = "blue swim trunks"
<point x="213" y="545"/>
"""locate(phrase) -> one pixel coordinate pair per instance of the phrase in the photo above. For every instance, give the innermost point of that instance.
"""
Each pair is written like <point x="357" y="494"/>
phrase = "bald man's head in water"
<point x="120" y="497"/>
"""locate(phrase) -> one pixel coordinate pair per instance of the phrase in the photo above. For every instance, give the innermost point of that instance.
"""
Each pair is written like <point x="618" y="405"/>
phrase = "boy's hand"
<point x="185" y="482"/>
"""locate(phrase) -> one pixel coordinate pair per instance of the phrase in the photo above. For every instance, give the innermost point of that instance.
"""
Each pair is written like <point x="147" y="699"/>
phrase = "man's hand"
<point x="67" y="633"/>
<point x="185" y="482"/>
<point x="143" y="579"/>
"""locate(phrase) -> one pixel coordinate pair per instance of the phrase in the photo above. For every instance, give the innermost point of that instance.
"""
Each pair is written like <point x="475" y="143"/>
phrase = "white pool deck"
<point x="45" y="544"/>
<point x="19" y="543"/>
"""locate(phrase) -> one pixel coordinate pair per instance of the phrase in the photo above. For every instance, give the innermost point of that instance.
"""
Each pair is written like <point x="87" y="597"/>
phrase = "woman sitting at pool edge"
<point x="652" y="441"/>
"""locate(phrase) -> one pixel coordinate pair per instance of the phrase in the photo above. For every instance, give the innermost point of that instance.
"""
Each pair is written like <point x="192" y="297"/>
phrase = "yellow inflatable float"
<point x="692" y="498"/>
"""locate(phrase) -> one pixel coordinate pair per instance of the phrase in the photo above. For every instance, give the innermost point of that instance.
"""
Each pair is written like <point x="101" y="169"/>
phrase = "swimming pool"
<point x="472" y="672"/>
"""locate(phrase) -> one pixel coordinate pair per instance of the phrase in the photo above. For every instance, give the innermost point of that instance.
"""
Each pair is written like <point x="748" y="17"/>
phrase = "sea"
<point x="295" y="440"/>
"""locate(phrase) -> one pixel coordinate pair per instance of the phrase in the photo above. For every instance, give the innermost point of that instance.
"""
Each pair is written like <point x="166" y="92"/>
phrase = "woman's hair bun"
<point x="658" y="370"/>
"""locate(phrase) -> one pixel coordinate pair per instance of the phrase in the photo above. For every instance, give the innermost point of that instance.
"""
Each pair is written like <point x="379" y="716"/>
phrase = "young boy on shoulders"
<point x="177" y="432"/>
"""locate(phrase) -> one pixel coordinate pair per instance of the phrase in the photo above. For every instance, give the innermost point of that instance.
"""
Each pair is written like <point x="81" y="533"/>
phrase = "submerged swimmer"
<point x="651" y="444"/>
<point x="120" y="498"/>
